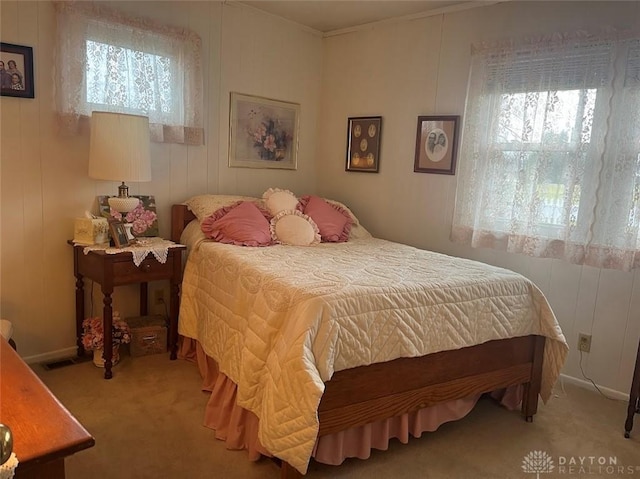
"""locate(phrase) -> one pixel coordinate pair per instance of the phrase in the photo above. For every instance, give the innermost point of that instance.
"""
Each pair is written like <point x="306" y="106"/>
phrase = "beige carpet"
<point x="147" y="422"/>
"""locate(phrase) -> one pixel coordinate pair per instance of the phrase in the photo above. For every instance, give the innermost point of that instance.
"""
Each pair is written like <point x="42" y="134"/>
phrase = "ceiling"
<point x="330" y="15"/>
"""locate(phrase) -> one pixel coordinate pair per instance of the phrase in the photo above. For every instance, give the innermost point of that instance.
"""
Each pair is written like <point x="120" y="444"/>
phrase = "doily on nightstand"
<point x="7" y="470"/>
<point x="159" y="247"/>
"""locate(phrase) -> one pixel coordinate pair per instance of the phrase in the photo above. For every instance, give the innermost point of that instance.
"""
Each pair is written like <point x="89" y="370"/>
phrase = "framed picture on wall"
<point x="363" y="144"/>
<point x="263" y="133"/>
<point x="16" y="71"/>
<point x="436" y="140"/>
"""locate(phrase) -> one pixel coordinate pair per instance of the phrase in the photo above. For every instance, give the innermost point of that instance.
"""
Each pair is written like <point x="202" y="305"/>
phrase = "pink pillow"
<point x="241" y="224"/>
<point x="333" y="222"/>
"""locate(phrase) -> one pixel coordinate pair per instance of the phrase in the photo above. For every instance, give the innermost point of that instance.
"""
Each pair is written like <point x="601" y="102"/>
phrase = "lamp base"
<point x="123" y="204"/>
<point x="127" y="227"/>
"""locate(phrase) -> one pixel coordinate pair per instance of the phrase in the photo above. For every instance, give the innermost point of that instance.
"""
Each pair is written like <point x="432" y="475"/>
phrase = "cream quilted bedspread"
<point x="280" y="320"/>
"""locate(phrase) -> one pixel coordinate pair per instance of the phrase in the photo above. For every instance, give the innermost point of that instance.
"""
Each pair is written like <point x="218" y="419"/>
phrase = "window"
<point x="550" y="152"/>
<point x="125" y="78"/>
<point x="544" y="131"/>
<point x="107" y="61"/>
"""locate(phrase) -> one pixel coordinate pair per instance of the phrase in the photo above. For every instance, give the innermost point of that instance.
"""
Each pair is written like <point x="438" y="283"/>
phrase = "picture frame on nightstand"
<point x="119" y="234"/>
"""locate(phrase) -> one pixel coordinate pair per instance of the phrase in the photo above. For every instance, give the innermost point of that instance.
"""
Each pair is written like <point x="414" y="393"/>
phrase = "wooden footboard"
<point x="358" y="396"/>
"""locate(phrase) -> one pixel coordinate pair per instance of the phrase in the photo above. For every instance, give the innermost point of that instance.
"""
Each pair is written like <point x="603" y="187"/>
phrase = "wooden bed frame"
<point x="365" y="394"/>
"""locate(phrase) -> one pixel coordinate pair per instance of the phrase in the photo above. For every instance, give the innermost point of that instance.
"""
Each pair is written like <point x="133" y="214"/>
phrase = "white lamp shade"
<point x="119" y="147"/>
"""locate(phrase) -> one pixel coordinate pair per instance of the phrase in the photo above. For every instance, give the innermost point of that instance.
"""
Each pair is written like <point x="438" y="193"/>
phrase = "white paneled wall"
<point x="397" y="70"/>
<point x="263" y="57"/>
<point x="44" y="175"/>
<point x="420" y="67"/>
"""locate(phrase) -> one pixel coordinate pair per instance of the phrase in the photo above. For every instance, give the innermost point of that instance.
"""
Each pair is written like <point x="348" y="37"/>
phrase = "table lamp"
<point x="119" y="151"/>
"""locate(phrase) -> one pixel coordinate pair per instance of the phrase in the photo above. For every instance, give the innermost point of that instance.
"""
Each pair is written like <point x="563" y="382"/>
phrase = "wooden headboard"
<point x="181" y="216"/>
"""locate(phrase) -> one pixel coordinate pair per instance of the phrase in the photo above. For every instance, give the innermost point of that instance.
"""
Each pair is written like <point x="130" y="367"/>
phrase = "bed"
<point x="333" y="337"/>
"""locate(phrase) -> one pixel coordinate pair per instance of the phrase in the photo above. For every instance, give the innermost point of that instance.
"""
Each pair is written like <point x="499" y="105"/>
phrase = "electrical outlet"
<point x="584" y="342"/>
<point x="158" y="296"/>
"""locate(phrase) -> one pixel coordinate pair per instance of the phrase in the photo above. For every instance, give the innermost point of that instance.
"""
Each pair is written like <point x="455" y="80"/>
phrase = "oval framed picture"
<point x="436" y="144"/>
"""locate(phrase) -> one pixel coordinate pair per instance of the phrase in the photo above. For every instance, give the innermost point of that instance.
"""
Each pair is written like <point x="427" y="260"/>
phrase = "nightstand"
<point x="110" y="270"/>
<point x="634" y="397"/>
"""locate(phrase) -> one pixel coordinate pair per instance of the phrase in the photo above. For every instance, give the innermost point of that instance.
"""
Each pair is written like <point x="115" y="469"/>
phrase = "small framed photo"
<point x="363" y="144"/>
<point x="16" y="71"/>
<point x="436" y="141"/>
<point x="119" y="234"/>
<point x="263" y="133"/>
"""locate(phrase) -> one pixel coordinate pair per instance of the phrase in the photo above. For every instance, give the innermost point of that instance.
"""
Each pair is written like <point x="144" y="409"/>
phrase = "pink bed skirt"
<point x="239" y="427"/>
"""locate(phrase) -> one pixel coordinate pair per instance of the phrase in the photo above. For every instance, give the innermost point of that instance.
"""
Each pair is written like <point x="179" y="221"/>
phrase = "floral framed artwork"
<point x="436" y="141"/>
<point x="143" y="218"/>
<point x="16" y="71"/>
<point x="263" y="133"/>
<point x="363" y="144"/>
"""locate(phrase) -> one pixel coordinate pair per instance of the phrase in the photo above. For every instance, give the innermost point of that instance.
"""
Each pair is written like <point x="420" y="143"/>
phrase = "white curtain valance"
<point x="109" y="61"/>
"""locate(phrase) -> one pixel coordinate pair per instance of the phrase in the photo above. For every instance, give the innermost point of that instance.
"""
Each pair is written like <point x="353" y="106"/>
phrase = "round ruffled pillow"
<point x="277" y="200"/>
<point x="292" y="227"/>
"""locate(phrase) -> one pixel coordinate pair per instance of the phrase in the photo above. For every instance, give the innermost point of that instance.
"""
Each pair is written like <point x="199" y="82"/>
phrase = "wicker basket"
<point x="148" y="335"/>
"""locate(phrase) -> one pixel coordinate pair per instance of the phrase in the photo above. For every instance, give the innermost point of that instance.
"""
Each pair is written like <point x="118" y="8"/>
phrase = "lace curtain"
<point x="108" y="61"/>
<point x="550" y="151"/>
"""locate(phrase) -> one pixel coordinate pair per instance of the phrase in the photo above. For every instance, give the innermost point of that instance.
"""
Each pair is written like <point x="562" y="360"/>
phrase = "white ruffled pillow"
<point x="204" y="206"/>
<point x="292" y="227"/>
<point x="277" y="200"/>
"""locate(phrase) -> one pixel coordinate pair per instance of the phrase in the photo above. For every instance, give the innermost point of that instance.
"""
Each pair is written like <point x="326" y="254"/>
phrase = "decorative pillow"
<point x="294" y="228"/>
<point x="241" y="224"/>
<point x="344" y="207"/>
<point x="358" y="232"/>
<point x="277" y="200"/>
<point x="333" y="221"/>
<point x="205" y="205"/>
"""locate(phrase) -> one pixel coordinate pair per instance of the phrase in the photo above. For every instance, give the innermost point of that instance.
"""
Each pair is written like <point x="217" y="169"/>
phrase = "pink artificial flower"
<point x="141" y="219"/>
<point x="134" y="213"/>
<point x="115" y="214"/>
<point x="139" y="226"/>
<point x="93" y="332"/>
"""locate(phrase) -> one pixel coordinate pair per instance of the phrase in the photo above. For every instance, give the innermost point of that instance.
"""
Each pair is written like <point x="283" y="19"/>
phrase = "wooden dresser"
<point x="44" y="431"/>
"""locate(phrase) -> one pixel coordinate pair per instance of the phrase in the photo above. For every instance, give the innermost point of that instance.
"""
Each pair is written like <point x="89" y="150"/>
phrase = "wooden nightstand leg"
<point x="79" y="313"/>
<point x="174" y="305"/>
<point x="107" y="315"/>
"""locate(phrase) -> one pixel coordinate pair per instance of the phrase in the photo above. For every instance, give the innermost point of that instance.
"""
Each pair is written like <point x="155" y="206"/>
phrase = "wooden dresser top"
<point x="43" y="429"/>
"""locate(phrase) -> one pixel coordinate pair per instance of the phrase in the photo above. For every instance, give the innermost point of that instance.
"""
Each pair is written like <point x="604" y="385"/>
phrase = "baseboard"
<point x="50" y="356"/>
<point x="612" y="393"/>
